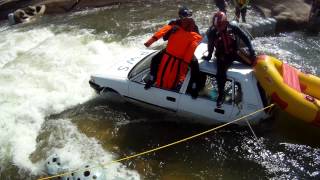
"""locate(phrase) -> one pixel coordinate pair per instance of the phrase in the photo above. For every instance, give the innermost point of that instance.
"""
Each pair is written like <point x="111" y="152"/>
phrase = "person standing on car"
<point x="241" y="9"/>
<point x="178" y="54"/>
<point x="224" y="37"/>
<point x="183" y="12"/>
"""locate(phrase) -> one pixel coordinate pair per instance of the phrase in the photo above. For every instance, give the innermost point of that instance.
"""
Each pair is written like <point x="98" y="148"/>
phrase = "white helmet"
<point x="53" y="165"/>
<point x="90" y="173"/>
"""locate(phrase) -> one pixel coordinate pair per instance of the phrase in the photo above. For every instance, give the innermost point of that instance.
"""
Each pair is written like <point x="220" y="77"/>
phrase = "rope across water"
<point x="161" y="147"/>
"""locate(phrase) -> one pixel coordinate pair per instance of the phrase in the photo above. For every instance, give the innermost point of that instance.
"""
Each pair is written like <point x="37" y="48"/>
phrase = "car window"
<point x="144" y="76"/>
<point x="141" y="66"/>
<point x="209" y="89"/>
<point x="141" y="73"/>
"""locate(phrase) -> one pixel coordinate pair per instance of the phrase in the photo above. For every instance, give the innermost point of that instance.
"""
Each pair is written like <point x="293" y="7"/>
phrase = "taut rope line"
<point x="164" y="146"/>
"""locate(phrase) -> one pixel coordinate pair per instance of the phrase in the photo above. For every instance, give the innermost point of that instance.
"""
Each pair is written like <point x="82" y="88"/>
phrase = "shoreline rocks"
<point x="54" y="6"/>
<point x="290" y="14"/>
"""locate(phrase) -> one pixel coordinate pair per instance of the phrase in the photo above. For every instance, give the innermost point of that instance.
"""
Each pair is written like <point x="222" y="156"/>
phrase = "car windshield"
<point x="142" y="65"/>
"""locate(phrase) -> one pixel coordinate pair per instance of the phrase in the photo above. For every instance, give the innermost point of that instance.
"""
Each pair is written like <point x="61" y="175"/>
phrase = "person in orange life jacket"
<point x="224" y="37"/>
<point x="183" y="12"/>
<point x="241" y="8"/>
<point x="178" y="54"/>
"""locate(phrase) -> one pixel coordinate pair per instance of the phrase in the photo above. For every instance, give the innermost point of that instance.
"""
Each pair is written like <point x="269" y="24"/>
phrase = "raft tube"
<point x="301" y="102"/>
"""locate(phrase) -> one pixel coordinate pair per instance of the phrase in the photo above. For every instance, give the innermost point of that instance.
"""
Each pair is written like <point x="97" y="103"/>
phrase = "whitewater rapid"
<point x="44" y="72"/>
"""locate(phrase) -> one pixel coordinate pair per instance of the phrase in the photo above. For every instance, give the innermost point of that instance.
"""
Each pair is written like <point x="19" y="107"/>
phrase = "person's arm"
<point x="238" y="32"/>
<point x="158" y="35"/>
<point x="211" y="35"/>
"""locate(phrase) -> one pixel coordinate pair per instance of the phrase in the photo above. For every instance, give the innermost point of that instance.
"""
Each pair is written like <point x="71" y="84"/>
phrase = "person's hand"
<point x="253" y="60"/>
<point x="207" y="58"/>
<point x="149" y="42"/>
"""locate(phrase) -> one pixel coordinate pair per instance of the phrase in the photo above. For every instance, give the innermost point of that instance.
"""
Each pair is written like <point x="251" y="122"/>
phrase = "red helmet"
<point x="220" y="20"/>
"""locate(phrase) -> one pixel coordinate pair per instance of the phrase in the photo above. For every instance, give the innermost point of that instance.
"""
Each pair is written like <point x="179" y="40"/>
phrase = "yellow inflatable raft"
<point x="297" y="93"/>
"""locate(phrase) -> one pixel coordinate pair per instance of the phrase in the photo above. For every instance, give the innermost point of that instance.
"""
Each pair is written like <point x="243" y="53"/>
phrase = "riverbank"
<point x="290" y="14"/>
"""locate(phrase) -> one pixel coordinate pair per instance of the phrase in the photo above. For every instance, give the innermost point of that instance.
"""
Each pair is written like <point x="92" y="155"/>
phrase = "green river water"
<point x="48" y="107"/>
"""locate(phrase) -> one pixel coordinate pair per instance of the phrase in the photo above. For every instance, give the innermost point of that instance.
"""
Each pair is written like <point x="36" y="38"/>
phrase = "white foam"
<point x="283" y="165"/>
<point x="44" y="73"/>
<point x="290" y="49"/>
<point x="14" y="43"/>
<point x="77" y="150"/>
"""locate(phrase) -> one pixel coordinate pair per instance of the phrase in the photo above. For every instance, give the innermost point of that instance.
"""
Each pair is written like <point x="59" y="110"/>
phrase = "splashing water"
<point x="48" y="107"/>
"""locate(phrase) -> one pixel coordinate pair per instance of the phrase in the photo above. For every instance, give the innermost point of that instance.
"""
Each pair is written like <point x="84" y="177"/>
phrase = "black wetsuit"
<point x="226" y="54"/>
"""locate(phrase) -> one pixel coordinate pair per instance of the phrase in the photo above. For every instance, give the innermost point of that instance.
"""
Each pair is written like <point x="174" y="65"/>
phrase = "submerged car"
<point x="243" y="93"/>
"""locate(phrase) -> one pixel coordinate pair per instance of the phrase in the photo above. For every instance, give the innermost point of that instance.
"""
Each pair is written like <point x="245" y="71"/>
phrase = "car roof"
<point x="236" y="70"/>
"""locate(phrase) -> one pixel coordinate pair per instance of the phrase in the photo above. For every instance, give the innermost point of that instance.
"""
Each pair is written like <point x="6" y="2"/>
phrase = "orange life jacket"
<point x="177" y="57"/>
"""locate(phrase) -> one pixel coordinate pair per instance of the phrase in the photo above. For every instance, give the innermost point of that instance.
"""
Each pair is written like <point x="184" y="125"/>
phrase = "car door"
<point x="205" y="104"/>
<point x="163" y="98"/>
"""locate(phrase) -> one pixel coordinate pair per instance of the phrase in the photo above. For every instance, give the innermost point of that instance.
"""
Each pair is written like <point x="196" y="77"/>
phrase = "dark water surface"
<point x="48" y="107"/>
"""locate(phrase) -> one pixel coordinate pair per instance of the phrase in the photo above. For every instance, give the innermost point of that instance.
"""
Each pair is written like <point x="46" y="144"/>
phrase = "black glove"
<point x="194" y="94"/>
<point x="149" y="83"/>
<point x="207" y="58"/>
<point x="194" y="91"/>
<point x="253" y="59"/>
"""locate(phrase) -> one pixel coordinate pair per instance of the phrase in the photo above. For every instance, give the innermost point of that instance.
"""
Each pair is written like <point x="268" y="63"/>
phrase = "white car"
<point x="243" y="94"/>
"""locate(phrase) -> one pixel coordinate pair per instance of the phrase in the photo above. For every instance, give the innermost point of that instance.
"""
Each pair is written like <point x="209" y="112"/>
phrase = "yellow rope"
<point x="164" y="146"/>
